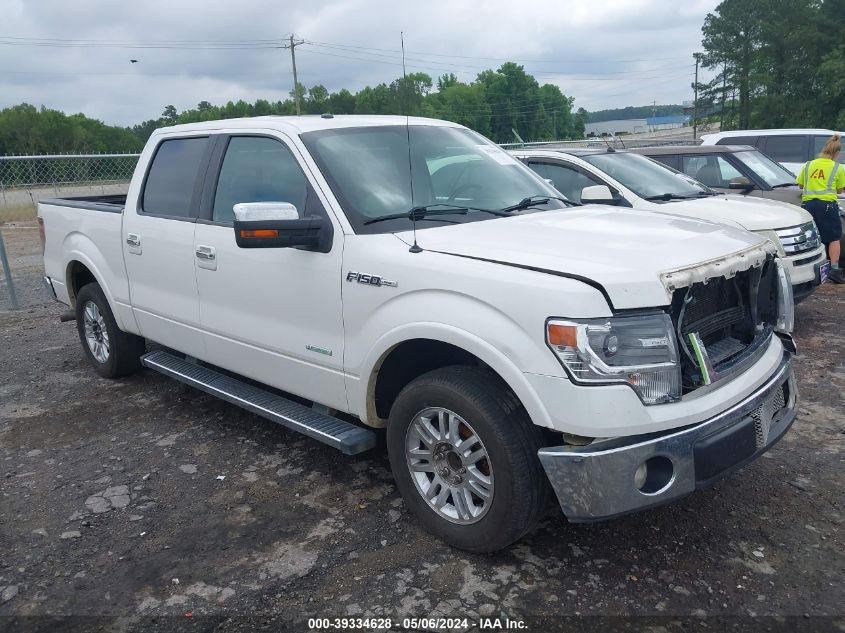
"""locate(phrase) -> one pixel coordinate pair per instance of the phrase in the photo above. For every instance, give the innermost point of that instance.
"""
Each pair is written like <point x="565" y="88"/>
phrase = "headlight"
<point x="786" y="306"/>
<point x="639" y="351"/>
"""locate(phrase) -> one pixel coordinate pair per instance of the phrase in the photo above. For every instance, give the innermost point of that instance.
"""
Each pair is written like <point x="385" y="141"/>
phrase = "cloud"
<point x="615" y="53"/>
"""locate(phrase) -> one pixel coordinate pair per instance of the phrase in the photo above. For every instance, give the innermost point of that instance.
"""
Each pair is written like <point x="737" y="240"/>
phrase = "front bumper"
<point x="599" y="481"/>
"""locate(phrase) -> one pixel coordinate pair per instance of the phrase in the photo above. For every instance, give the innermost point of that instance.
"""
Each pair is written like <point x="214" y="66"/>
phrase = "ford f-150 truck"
<point x="344" y="274"/>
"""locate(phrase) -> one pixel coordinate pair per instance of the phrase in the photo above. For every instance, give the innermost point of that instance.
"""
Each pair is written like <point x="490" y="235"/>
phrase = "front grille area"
<point x="766" y="412"/>
<point x="799" y="239"/>
<point x="733" y="318"/>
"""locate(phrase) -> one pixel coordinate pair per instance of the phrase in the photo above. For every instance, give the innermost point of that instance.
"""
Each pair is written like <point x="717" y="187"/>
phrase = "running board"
<point x="346" y="437"/>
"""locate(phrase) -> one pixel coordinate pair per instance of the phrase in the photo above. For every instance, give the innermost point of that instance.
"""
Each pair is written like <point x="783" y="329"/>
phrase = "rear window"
<point x="170" y="182"/>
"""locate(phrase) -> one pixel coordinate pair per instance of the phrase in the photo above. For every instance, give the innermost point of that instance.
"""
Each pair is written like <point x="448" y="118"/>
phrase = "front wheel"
<point x="464" y="456"/>
<point x="112" y="352"/>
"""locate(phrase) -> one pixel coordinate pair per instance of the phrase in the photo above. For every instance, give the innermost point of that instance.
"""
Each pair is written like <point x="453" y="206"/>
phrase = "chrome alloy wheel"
<point x="96" y="334"/>
<point x="449" y="465"/>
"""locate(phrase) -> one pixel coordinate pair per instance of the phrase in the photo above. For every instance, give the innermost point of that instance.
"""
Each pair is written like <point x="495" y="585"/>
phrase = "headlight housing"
<point x="637" y="350"/>
<point x="786" y="305"/>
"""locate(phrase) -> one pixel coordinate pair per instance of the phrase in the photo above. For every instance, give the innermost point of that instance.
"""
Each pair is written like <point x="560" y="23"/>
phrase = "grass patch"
<point x="16" y="212"/>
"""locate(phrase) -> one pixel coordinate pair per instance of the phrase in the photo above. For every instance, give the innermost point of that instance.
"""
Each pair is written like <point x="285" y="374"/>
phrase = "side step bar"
<point x="346" y="437"/>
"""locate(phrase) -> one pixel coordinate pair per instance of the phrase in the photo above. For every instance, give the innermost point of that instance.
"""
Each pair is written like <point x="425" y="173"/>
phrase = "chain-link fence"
<point x="24" y="180"/>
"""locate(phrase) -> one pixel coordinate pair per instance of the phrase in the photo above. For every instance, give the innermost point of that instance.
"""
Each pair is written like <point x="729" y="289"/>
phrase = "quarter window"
<point x="258" y="169"/>
<point x="170" y="183"/>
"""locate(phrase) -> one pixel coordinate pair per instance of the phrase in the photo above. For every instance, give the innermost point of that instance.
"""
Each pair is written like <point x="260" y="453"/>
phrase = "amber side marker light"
<point x="260" y="233"/>
<point x="563" y="335"/>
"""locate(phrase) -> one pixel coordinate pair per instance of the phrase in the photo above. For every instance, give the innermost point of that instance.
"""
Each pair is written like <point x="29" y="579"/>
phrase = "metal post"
<point x="295" y="81"/>
<point x="13" y="298"/>
<point x="695" y="100"/>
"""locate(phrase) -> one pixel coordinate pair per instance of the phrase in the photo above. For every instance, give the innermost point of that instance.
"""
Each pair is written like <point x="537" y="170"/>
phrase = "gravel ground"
<point x="141" y="503"/>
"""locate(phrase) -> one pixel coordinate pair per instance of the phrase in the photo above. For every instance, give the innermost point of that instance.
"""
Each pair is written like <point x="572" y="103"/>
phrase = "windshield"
<point x="772" y="173"/>
<point x="368" y="170"/>
<point x="645" y="177"/>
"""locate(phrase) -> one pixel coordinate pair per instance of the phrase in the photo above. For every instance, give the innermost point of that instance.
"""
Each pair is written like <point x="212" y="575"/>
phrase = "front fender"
<point x="359" y="388"/>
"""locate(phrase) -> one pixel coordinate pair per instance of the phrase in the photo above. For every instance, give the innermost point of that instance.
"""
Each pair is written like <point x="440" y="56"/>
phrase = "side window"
<point x="818" y="145"/>
<point x="258" y="169"/>
<point x="670" y="160"/>
<point x="713" y="171"/>
<point x="569" y="181"/>
<point x="170" y="183"/>
<point x="786" y="149"/>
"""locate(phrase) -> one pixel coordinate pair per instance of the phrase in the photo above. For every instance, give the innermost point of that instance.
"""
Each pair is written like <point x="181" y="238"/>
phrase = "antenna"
<point x="416" y="247"/>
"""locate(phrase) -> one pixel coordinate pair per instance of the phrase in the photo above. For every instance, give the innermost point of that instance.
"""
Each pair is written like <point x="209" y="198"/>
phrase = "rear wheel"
<point x="464" y="456"/>
<point x="112" y="352"/>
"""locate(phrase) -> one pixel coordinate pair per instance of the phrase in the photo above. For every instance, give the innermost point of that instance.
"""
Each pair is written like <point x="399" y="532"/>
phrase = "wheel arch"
<point x="405" y="358"/>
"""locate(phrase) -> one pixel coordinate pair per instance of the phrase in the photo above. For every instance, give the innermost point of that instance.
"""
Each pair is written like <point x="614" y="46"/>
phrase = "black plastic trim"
<point x="87" y="203"/>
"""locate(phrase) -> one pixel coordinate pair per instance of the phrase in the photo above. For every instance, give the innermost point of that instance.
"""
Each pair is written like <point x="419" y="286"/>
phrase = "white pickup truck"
<point x="339" y="274"/>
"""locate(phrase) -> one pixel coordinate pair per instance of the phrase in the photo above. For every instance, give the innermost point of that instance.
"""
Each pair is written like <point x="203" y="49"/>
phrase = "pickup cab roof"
<point x="305" y="123"/>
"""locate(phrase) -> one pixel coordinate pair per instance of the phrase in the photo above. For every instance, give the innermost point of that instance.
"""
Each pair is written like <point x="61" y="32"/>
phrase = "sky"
<point x="75" y="56"/>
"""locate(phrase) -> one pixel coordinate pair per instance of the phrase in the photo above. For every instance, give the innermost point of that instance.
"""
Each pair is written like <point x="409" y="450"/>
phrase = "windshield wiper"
<point x="667" y="196"/>
<point x="531" y="201"/>
<point x="418" y="214"/>
<point x="785" y="184"/>
<point x="704" y="194"/>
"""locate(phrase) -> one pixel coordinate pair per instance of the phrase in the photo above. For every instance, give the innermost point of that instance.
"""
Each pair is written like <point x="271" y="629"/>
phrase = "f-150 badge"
<point x="370" y="280"/>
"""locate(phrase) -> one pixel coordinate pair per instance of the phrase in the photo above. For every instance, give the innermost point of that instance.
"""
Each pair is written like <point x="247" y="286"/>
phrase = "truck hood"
<point x="749" y="213"/>
<point x="637" y="258"/>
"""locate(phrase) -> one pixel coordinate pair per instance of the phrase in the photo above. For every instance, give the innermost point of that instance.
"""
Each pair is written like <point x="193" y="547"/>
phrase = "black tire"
<point x="124" y="350"/>
<point x="520" y="488"/>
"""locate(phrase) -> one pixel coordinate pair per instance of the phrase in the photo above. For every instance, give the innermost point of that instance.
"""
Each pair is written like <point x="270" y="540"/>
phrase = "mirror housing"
<point x="741" y="182"/>
<point x="598" y="194"/>
<point x="278" y="225"/>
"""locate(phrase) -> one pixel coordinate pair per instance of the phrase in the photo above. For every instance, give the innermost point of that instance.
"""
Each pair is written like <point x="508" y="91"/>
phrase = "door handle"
<point x="133" y="239"/>
<point x="208" y="253"/>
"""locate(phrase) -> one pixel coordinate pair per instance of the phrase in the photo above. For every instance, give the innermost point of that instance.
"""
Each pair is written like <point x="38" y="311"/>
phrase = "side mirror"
<point x="741" y="182"/>
<point x="277" y="225"/>
<point x="597" y="194"/>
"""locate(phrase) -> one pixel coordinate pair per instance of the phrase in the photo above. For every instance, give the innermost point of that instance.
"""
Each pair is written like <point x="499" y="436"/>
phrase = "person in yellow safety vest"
<point x="822" y="179"/>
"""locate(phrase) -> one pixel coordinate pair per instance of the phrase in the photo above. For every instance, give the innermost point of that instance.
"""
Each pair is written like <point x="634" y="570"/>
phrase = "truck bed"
<point x="113" y="203"/>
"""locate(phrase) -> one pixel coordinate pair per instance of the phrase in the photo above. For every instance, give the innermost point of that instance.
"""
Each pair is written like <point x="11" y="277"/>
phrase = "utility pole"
<point x="554" y="125"/>
<point x="292" y="46"/>
<point x="697" y="57"/>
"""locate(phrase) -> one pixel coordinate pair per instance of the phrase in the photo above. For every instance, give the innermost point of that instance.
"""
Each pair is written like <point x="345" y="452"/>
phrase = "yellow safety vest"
<point x="820" y="179"/>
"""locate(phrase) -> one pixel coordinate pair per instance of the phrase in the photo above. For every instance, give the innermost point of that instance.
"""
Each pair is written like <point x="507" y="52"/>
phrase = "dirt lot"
<point x="141" y="503"/>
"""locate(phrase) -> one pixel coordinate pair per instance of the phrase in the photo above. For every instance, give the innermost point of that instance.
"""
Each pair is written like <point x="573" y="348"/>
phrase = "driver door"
<point x="271" y="314"/>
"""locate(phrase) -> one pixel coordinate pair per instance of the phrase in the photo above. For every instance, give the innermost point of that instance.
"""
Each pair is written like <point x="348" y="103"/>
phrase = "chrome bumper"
<point x="608" y="478"/>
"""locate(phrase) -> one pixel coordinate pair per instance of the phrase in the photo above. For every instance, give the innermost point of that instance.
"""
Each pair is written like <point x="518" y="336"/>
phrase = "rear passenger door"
<point x="158" y="244"/>
<point x="271" y="314"/>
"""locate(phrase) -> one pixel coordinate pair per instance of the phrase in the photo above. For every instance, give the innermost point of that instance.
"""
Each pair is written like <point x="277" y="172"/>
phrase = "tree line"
<point x="777" y="63"/>
<point x="497" y="104"/>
